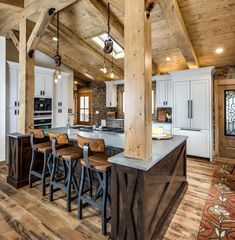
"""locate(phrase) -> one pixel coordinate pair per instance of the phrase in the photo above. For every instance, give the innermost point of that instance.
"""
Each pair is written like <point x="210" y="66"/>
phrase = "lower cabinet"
<point x="60" y="117"/>
<point x="198" y="142"/>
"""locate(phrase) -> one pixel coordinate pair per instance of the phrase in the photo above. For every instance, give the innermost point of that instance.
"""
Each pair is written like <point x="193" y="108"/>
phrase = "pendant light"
<point x="112" y="71"/>
<point x="57" y="57"/>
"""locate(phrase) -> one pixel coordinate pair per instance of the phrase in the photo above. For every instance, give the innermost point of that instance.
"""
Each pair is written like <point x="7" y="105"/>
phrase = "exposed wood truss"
<point x="172" y="13"/>
<point x="39" y="29"/>
<point x="14" y="38"/>
<point x="35" y="7"/>
<point x="79" y="43"/>
<point x="14" y="5"/>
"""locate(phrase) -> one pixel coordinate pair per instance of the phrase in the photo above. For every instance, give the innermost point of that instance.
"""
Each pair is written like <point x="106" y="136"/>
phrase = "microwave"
<point x="42" y="104"/>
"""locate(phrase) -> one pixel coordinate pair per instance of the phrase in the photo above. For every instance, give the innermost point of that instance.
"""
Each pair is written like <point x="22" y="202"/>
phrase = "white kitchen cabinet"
<point x="43" y="85"/>
<point x="12" y="97"/>
<point x="192" y="109"/>
<point x="163" y="91"/>
<point x="63" y="97"/>
<point x="198" y="143"/>
<point x="200" y="104"/>
<point x="12" y="120"/>
<point x="12" y="100"/>
<point x="111" y="94"/>
<point x="181" y="94"/>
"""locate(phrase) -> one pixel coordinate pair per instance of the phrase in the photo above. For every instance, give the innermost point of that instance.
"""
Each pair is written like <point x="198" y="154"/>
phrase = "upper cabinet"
<point x="163" y="91"/>
<point x="111" y="94"/>
<point x="43" y="83"/>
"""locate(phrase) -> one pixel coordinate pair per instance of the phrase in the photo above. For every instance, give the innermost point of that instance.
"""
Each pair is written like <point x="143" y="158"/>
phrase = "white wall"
<point x="2" y="98"/>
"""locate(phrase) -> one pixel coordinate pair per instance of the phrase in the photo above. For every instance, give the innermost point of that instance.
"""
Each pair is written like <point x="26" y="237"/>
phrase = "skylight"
<point x="118" y="51"/>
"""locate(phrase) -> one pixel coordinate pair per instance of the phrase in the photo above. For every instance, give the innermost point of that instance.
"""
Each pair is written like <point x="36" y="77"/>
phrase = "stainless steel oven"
<point x="43" y="113"/>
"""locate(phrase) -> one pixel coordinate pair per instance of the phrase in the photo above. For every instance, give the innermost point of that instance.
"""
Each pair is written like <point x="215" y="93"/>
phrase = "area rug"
<point x="218" y="220"/>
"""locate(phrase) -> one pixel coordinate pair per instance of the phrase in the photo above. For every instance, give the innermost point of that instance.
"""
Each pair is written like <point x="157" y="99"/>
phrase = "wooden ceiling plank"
<point x="172" y="13"/>
<point x="119" y="4"/>
<point x="80" y="82"/>
<point x="14" y="39"/>
<point x="39" y="29"/>
<point x="13" y="5"/>
<point x="34" y="7"/>
<point x="78" y="42"/>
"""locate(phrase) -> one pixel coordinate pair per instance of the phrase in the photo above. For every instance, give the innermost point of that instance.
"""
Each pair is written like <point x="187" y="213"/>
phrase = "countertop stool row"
<point x="59" y="163"/>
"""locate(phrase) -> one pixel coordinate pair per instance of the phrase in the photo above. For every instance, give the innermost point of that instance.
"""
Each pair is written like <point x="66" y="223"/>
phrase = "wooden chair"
<point x="69" y="155"/>
<point x="44" y="148"/>
<point x="95" y="160"/>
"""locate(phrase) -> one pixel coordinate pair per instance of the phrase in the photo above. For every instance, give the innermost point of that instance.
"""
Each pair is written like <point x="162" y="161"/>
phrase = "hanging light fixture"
<point x="112" y="71"/>
<point x="57" y="57"/>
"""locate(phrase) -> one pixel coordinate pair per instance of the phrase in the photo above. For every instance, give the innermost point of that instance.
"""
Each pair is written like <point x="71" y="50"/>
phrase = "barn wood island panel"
<point x="144" y="195"/>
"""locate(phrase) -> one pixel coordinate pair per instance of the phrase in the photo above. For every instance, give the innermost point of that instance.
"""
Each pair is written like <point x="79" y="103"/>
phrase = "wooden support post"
<point x="138" y="81"/>
<point x="26" y="80"/>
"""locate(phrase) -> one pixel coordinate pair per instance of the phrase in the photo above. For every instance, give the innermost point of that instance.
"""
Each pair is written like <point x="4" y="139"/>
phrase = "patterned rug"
<point x="218" y="220"/>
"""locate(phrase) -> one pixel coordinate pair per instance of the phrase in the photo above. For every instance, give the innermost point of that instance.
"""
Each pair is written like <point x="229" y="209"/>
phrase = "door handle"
<point x="189" y="114"/>
<point x="191" y="108"/>
<point x="15" y="112"/>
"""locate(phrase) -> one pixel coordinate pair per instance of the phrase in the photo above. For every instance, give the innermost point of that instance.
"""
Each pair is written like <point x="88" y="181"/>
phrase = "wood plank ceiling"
<point x="208" y="24"/>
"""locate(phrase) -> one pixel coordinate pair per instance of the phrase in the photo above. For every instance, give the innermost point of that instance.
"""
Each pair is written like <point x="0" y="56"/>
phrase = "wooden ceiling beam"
<point x="39" y="29"/>
<point x="34" y="7"/>
<point x="14" y="38"/>
<point x="172" y="13"/>
<point x="79" y="43"/>
<point x="13" y="5"/>
<point x="80" y="82"/>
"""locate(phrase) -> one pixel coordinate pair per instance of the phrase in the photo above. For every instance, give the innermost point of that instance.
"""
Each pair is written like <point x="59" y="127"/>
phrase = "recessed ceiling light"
<point x="168" y="58"/>
<point x="219" y="50"/>
<point x="55" y="39"/>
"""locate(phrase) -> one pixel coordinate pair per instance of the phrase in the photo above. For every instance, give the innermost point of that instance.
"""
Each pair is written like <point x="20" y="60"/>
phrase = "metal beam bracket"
<point x="149" y="9"/>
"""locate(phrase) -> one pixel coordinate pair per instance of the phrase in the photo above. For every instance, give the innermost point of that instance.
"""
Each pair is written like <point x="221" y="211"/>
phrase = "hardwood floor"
<point x="25" y="214"/>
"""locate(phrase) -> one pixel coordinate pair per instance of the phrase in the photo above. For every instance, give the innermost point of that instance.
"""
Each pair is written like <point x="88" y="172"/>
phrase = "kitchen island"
<point x="145" y="194"/>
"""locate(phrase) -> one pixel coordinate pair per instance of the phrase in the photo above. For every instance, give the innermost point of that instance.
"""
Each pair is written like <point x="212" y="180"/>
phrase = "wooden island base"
<point x="143" y="202"/>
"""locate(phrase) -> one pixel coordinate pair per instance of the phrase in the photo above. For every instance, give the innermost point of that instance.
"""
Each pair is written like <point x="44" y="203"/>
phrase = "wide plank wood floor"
<point x="25" y="214"/>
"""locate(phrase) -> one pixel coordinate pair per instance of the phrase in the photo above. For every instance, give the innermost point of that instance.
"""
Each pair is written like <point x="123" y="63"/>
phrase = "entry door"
<point x="84" y="108"/>
<point x="227" y="121"/>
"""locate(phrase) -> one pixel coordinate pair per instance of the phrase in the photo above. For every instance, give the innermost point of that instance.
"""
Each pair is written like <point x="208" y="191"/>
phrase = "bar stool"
<point x="44" y="148"/>
<point x="69" y="155"/>
<point x="95" y="160"/>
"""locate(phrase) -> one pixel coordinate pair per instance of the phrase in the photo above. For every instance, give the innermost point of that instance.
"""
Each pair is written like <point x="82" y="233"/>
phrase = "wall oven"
<point x="43" y="113"/>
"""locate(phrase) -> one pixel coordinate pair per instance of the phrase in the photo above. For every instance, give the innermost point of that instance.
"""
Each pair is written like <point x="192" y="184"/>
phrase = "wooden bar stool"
<point x="45" y="148"/>
<point x="95" y="160"/>
<point x="69" y="156"/>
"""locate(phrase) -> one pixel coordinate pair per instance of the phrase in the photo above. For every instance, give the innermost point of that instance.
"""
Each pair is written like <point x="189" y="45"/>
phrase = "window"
<point x="84" y="109"/>
<point x="118" y="51"/>
<point x="229" y="100"/>
<point x="153" y="102"/>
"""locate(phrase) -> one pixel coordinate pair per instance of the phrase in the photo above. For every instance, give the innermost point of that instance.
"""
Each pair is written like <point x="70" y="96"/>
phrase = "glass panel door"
<point x="229" y="101"/>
